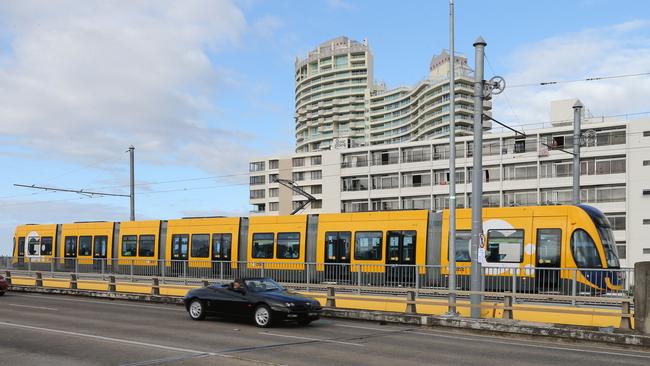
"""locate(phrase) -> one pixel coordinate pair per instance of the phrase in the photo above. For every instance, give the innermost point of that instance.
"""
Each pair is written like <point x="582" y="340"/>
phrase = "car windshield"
<point x="606" y="235"/>
<point x="263" y="284"/>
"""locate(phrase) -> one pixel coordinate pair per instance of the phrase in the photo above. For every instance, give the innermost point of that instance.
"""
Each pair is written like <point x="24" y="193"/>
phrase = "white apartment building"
<point x="615" y="165"/>
<point x="339" y="104"/>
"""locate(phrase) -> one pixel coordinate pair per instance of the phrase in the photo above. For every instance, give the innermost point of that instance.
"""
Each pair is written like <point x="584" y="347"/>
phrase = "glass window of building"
<point x="354" y="206"/>
<point x="385" y="157"/>
<point x="416" y="179"/>
<point x="274" y="192"/>
<point x="416" y="154"/>
<point x="274" y="206"/>
<point x="387" y="181"/>
<point x="416" y="203"/>
<point x="257" y="180"/>
<point x="519" y="171"/>
<point x="316" y="160"/>
<point x="316" y="174"/>
<point x="256" y="166"/>
<point x="359" y="183"/>
<point x="298" y="162"/>
<point x="274" y="164"/>
<point x="257" y="193"/>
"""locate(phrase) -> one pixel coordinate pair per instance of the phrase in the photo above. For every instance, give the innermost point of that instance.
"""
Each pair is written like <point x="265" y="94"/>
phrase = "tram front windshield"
<point x="606" y="235"/>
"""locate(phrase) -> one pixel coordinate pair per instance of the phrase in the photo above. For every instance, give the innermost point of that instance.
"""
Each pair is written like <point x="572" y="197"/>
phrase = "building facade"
<point x="615" y="166"/>
<point x="338" y="104"/>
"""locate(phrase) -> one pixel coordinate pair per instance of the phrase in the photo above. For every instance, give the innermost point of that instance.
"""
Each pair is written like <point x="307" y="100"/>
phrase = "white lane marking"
<point x="108" y="302"/>
<point x="33" y="307"/>
<point x="106" y="339"/>
<point x="514" y="342"/>
<point x="313" y="339"/>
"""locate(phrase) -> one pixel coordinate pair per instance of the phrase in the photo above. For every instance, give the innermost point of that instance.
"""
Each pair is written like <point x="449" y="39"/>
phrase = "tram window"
<point x="85" y="245"/>
<point x="70" y="246"/>
<point x="33" y="245"/>
<point x="221" y="244"/>
<point x="46" y="245"/>
<point x="129" y="245"/>
<point x="100" y="244"/>
<point x="200" y="245"/>
<point x="146" y="245"/>
<point x="549" y="242"/>
<point x="263" y="245"/>
<point x="21" y="246"/>
<point x="367" y="245"/>
<point x="584" y="250"/>
<point x="288" y="246"/>
<point x="408" y="246"/>
<point x="463" y="243"/>
<point x="179" y="246"/>
<point x="505" y="246"/>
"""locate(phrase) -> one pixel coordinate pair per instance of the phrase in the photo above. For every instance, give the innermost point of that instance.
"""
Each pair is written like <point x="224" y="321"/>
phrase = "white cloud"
<point x="82" y="79"/>
<point x="612" y="50"/>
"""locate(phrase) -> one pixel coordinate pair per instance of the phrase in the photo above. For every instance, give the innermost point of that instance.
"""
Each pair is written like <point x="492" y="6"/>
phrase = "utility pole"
<point x="477" y="178"/>
<point x="577" y="115"/>
<point x="452" y="165"/>
<point x="131" y="155"/>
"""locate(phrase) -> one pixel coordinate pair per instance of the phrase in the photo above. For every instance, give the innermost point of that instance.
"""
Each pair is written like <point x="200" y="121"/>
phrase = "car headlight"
<point x="289" y="304"/>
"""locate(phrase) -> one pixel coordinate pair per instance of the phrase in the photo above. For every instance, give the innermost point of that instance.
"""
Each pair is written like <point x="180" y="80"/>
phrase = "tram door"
<point x="70" y="252"/>
<point x="337" y="256"/>
<point x="180" y="245"/>
<point x="21" y="251"/>
<point x="548" y="263"/>
<point x="400" y="257"/>
<point x="221" y="249"/>
<point x="100" y="244"/>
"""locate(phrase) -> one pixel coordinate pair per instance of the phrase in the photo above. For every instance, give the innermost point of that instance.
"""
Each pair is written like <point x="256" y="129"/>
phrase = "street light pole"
<point x="577" y="115"/>
<point x="132" y="195"/>
<point x="452" y="165"/>
<point x="477" y="178"/>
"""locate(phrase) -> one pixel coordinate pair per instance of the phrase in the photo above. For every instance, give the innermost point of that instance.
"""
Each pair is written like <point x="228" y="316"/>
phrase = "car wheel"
<point x="197" y="310"/>
<point x="262" y="316"/>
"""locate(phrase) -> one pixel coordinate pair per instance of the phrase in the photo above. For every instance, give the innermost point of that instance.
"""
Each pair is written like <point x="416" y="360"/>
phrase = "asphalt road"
<point x="60" y="330"/>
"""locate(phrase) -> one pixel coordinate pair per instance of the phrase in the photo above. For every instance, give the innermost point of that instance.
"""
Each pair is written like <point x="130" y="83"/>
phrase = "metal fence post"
<point x="262" y="264"/>
<point x="29" y="267"/>
<point x="574" y="287"/>
<point x="359" y="279"/>
<point x="52" y="267"/>
<point x="162" y="270"/>
<point x="221" y="271"/>
<point x="185" y="272"/>
<point x="76" y="265"/>
<point x="307" y="275"/>
<point x="514" y="281"/>
<point x="417" y="278"/>
<point x="131" y="270"/>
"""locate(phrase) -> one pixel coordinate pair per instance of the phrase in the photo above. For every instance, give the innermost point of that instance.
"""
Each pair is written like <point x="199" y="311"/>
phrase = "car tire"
<point x="262" y="316"/>
<point x="304" y="322"/>
<point x="196" y="309"/>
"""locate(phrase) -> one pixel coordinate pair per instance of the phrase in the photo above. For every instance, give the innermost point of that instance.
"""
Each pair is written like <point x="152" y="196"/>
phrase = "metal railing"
<point x="555" y="285"/>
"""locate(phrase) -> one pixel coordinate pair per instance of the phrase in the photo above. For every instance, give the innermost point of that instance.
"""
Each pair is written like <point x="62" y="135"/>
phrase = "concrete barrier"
<point x="642" y="297"/>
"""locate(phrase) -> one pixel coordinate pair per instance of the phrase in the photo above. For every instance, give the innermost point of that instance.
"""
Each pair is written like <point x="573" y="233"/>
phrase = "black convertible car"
<point x="263" y="299"/>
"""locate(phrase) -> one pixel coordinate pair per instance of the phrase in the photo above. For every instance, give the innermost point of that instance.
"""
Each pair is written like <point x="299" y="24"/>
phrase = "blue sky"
<point x="201" y="87"/>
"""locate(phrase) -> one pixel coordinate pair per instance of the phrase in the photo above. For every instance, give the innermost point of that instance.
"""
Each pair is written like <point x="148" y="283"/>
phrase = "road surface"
<point x="62" y="330"/>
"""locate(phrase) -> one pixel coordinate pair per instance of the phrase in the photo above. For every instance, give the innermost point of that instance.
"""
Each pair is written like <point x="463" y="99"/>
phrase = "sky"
<point x="201" y="87"/>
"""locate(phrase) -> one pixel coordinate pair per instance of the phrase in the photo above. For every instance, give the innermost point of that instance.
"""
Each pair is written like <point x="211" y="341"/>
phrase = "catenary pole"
<point x="477" y="177"/>
<point x="132" y="157"/>
<point x="577" y="115"/>
<point x="452" y="164"/>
